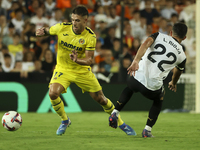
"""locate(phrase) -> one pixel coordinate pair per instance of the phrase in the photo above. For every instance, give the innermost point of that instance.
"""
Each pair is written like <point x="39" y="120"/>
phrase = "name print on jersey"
<point x="172" y="44"/>
<point x="65" y="44"/>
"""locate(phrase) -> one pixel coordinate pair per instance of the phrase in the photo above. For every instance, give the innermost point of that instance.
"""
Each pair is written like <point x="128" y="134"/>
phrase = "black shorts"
<point x="136" y="86"/>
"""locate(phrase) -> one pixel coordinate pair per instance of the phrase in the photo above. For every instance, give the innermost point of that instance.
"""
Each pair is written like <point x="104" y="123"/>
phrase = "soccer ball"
<point x="12" y="121"/>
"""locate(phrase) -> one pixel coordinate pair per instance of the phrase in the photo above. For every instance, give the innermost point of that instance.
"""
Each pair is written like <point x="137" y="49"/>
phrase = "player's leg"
<point x="108" y="108"/>
<point x="157" y="97"/>
<point x="99" y="97"/>
<point x="152" y="117"/>
<point x="54" y="93"/>
<point x="107" y="105"/>
<point x="88" y="82"/>
<point x="123" y="99"/>
<point x="58" y="84"/>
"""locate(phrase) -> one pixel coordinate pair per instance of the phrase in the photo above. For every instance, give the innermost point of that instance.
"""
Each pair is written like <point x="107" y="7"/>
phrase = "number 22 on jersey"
<point x="170" y="54"/>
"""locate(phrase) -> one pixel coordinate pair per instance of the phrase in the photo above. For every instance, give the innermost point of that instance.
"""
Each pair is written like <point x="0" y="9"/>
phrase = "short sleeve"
<point x="181" y="66"/>
<point x="91" y="44"/>
<point x="54" y="30"/>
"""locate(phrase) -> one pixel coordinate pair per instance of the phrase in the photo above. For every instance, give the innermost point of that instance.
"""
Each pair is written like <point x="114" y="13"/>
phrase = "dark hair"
<point x="32" y="25"/>
<point x="11" y="25"/>
<point x="136" y="11"/>
<point x="16" y="35"/>
<point x="116" y="39"/>
<point x="174" y="15"/>
<point x="125" y="45"/>
<point x="4" y="47"/>
<point x="7" y="55"/>
<point x="156" y="16"/>
<point x="81" y="11"/>
<point x="180" y="30"/>
<point x="57" y="9"/>
<point x="18" y="10"/>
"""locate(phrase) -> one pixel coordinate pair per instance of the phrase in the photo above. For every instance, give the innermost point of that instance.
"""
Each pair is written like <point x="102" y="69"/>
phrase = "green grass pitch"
<point x="90" y="131"/>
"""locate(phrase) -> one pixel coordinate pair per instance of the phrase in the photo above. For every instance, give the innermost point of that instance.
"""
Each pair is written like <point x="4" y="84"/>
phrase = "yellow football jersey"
<point x="67" y="41"/>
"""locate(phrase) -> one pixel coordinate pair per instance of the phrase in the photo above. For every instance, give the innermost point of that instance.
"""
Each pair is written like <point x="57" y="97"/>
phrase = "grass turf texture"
<point x="90" y="131"/>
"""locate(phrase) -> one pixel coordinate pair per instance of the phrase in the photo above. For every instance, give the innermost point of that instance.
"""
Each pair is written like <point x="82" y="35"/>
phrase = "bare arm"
<point x="134" y="66"/>
<point x="83" y="61"/>
<point x="143" y="48"/>
<point x="44" y="31"/>
<point x="176" y="75"/>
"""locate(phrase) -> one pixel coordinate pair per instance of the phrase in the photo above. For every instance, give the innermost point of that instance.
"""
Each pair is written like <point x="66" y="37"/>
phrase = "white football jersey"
<point x="160" y="58"/>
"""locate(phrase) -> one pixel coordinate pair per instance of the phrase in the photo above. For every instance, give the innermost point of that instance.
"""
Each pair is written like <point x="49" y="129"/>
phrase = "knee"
<point x="53" y="95"/>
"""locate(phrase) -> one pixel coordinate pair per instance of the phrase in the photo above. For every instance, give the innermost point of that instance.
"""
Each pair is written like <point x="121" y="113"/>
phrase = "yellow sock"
<point x="58" y="106"/>
<point x="108" y="108"/>
<point x="120" y="121"/>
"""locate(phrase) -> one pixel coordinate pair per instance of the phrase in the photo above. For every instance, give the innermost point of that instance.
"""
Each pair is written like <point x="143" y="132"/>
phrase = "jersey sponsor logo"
<point x="65" y="44"/>
<point x="81" y="41"/>
<point x="65" y="34"/>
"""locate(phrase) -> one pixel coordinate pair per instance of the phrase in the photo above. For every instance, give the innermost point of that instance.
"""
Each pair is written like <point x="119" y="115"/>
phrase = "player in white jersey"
<point x="156" y="57"/>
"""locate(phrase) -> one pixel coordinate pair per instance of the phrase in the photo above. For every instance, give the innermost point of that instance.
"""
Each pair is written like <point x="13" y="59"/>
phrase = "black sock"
<point x="124" y="98"/>
<point x="154" y="112"/>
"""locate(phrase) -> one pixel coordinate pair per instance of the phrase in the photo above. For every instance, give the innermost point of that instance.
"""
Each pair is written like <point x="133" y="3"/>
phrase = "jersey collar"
<point x="175" y="39"/>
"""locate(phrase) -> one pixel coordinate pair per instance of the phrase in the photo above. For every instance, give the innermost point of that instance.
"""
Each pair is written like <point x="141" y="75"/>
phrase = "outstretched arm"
<point x="44" y="31"/>
<point x="176" y="75"/>
<point x="134" y="66"/>
<point x="83" y="61"/>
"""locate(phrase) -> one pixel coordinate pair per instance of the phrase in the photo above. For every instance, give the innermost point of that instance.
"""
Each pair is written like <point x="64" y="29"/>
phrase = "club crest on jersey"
<point x="81" y="41"/>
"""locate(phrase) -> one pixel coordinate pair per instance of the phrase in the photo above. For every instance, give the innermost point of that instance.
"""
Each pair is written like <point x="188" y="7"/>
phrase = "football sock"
<point x="120" y="121"/>
<point x="108" y="108"/>
<point x="58" y="106"/>
<point x="154" y="112"/>
<point x="148" y="128"/>
<point x="124" y="98"/>
<point x="115" y="111"/>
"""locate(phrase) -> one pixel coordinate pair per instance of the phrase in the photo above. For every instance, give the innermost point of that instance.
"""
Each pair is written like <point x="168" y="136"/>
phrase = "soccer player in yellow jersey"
<point x="76" y="45"/>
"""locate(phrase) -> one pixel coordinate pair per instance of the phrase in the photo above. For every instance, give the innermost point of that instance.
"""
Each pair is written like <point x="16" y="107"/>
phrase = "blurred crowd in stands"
<point x="21" y="51"/>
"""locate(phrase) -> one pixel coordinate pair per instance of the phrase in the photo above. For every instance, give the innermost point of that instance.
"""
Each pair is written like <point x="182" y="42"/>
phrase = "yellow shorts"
<point x="86" y="81"/>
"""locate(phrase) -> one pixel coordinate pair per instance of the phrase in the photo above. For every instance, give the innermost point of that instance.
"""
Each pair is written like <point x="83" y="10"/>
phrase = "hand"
<point x="133" y="67"/>
<point x="40" y="31"/>
<point x="73" y="55"/>
<point x="172" y="86"/>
